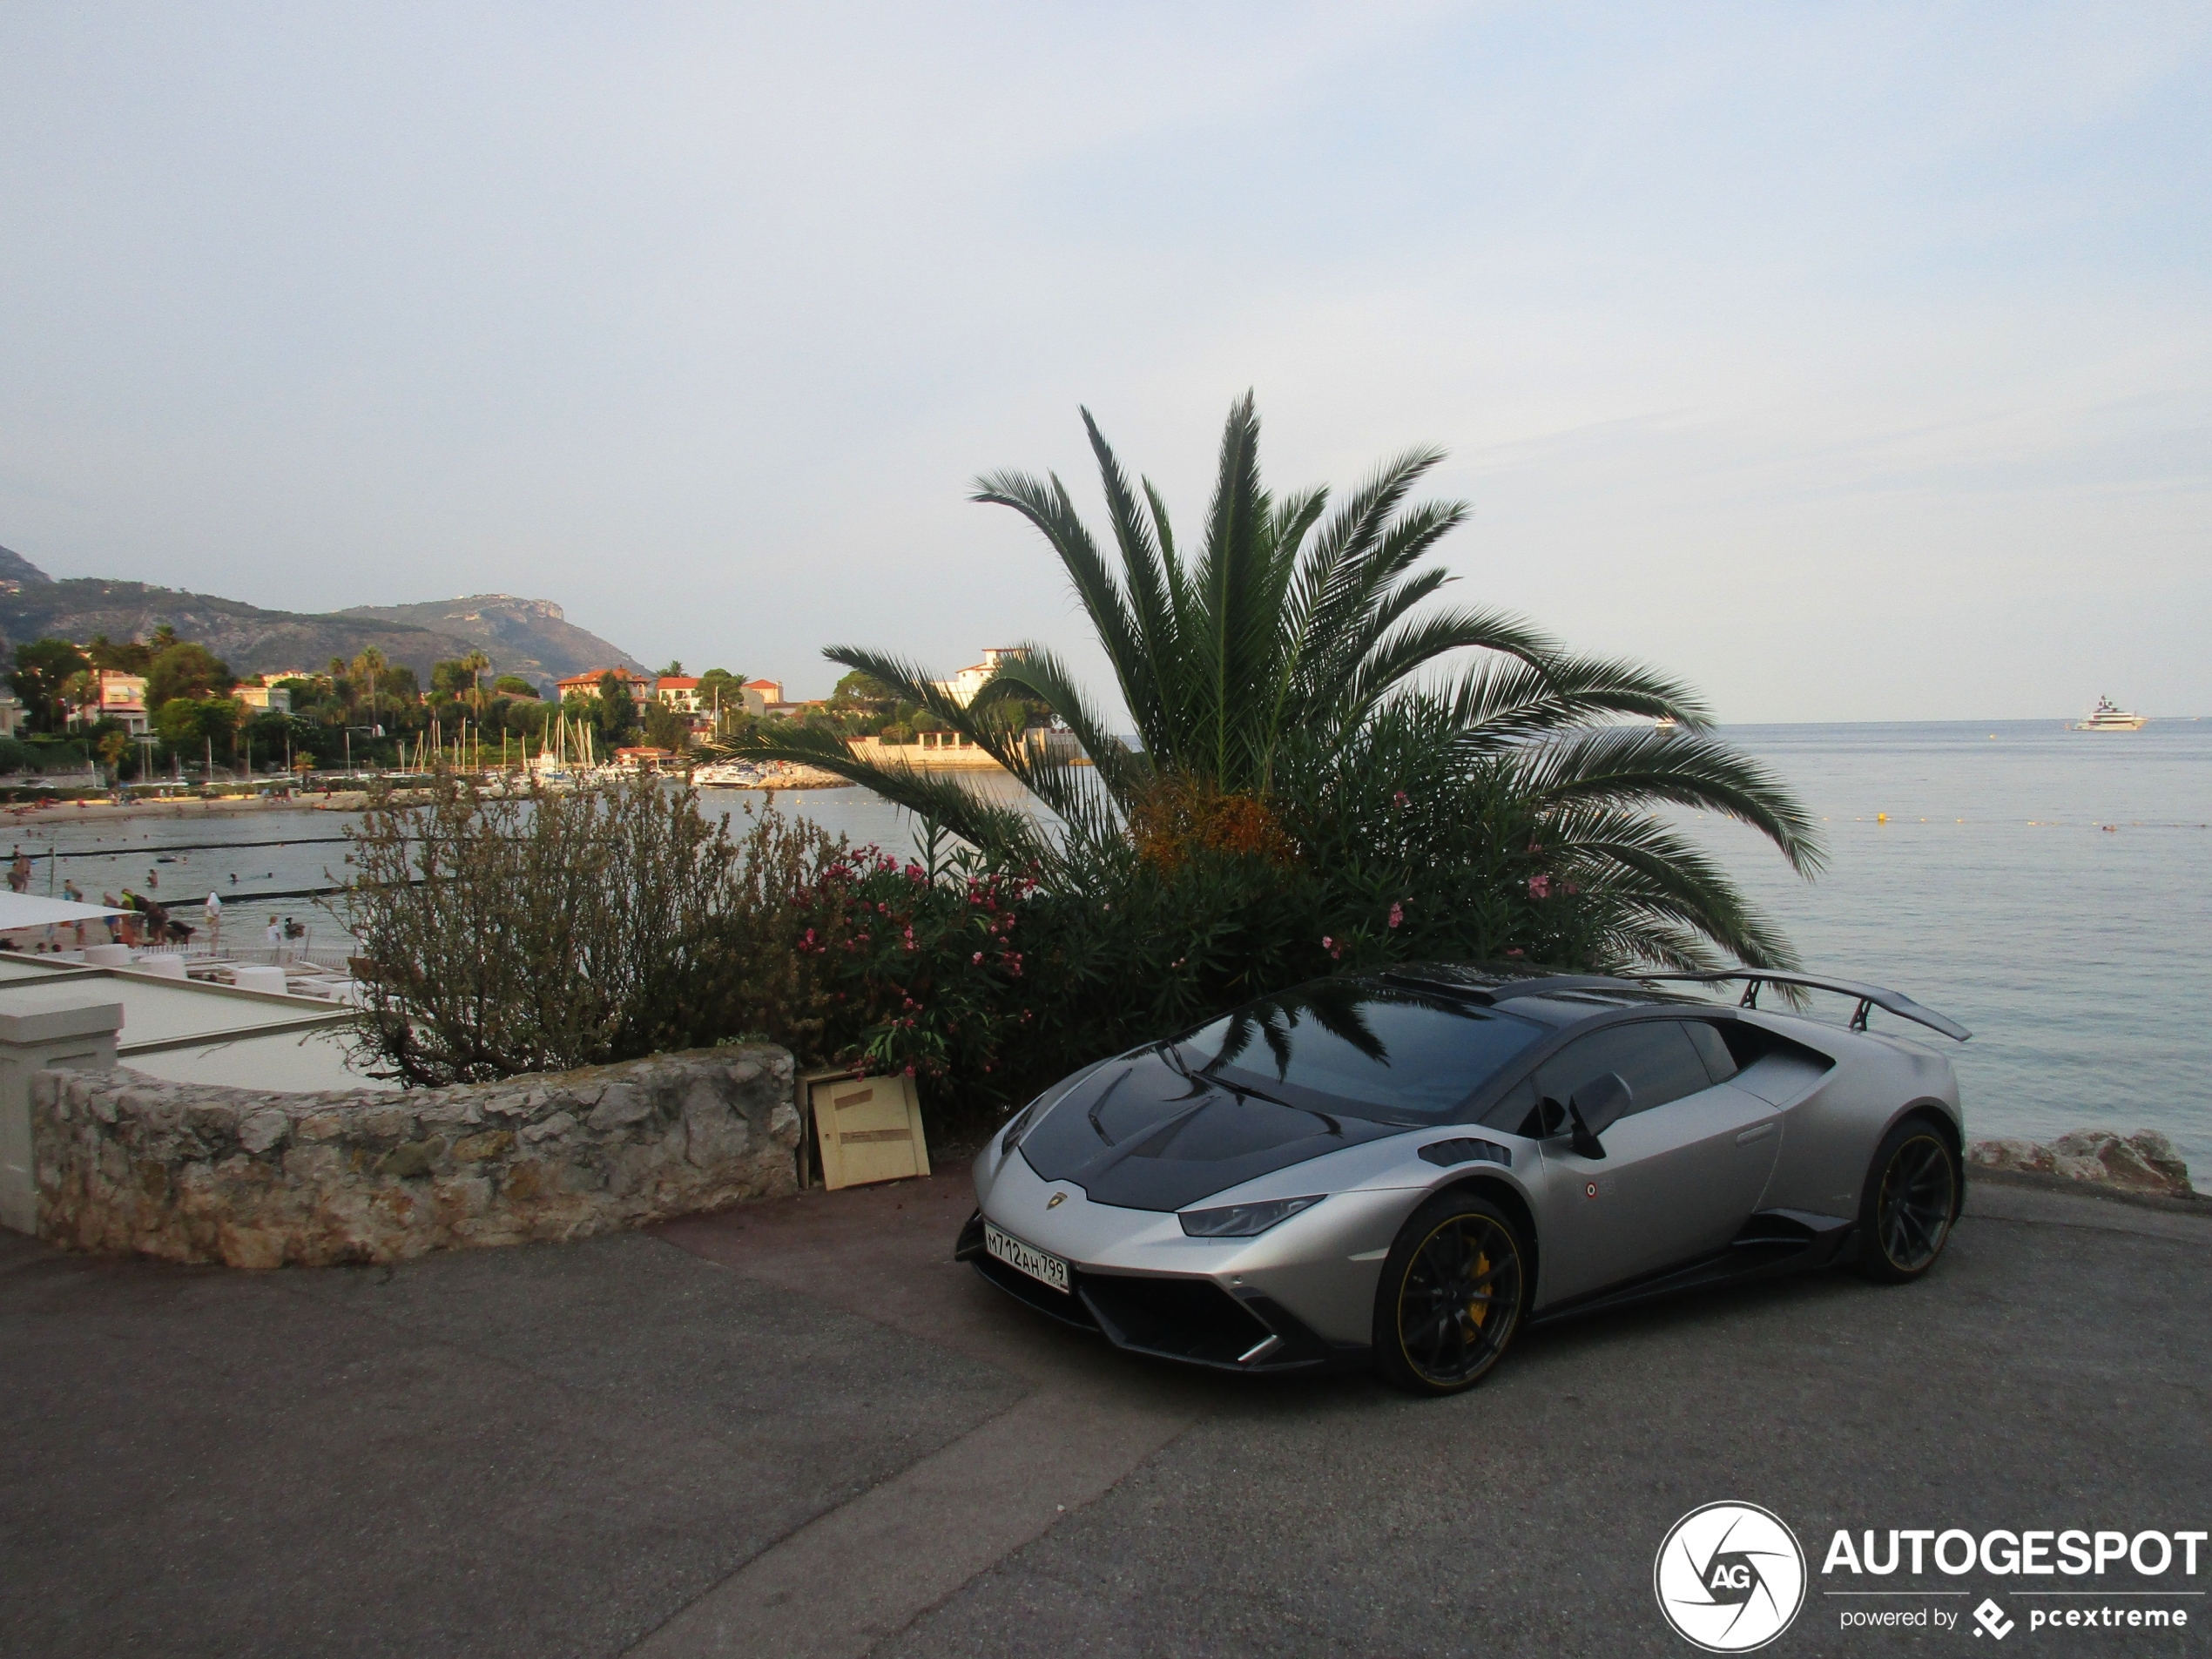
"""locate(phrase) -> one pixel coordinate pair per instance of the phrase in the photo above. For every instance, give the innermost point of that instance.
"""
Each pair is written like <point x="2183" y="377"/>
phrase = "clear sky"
<point x="1853" y="360"/>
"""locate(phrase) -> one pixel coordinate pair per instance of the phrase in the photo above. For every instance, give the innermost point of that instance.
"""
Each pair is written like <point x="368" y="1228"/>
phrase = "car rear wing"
<point x="1870" y="996"/>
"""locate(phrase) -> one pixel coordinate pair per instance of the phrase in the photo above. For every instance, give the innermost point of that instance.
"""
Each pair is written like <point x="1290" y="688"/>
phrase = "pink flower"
<point x="1403" y="799"/>
<point x="1397" y="914"/>
<point x="1540" y="886"/>
<point x="1330" y="945"/>
<point x="1513" y="953"/>
<point x="977" y="959"/>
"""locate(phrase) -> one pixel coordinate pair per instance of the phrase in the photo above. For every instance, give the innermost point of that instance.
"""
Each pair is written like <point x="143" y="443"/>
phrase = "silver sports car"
<point x="1399" y="1168"/>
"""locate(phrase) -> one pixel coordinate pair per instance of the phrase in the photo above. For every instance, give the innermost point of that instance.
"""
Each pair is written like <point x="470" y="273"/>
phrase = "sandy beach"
<point x="182" y="807"/>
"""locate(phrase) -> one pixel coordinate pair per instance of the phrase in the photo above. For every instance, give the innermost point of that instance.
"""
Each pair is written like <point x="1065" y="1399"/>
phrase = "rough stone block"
<point x="410" y="1159"/>
<point x="2144" y="1162"/>
<point x="264" y="1131"/>
<point x="489" y="1144"/>
<point x="620" y="1105"/>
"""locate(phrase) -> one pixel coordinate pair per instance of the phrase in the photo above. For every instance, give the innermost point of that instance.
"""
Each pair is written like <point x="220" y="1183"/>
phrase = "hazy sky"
<point x="1853" y="360"/>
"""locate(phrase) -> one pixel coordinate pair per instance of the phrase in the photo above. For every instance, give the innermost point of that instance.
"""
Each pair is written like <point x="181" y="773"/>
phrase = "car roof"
<point x="1557" y="999"/>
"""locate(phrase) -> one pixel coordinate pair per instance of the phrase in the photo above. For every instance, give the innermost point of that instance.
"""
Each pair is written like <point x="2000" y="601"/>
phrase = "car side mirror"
<point x="1597" y="1106"/>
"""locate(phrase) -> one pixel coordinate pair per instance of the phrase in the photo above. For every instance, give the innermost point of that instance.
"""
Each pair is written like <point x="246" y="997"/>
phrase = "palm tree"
<point x="367" y="669"/>
<point x="476" y="662"/>
<point x="83" y="691"/>
<point x="1298" y="635"/>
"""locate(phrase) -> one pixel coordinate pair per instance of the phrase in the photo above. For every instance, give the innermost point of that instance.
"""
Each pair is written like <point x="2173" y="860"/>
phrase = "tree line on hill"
<point x="365" y="711"/>
<point x="370" y="711"/>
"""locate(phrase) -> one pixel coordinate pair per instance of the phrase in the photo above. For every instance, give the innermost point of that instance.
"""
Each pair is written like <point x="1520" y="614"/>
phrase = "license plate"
<point x="1046" y="1270"/>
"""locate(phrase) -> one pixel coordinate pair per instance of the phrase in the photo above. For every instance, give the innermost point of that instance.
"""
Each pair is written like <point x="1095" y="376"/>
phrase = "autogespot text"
<point x="2069" y="1579"/>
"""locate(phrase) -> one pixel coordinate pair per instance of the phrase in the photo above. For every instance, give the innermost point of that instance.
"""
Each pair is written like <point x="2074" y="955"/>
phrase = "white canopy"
<point x="21" y="910"/>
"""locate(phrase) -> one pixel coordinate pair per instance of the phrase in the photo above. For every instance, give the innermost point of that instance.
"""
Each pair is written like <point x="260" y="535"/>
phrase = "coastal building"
<point x="678" y="691"/>
<point x="10" y="714"/>
<point x="123" y="697"/>
<point x="963" y="686"/>
<point x="270" y="699"/>
<point x="761" y="696"/>
<point x="587" y="683"/>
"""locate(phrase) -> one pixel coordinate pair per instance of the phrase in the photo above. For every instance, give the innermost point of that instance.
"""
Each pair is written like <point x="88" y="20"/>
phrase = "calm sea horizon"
<point x="2050" y="890"/>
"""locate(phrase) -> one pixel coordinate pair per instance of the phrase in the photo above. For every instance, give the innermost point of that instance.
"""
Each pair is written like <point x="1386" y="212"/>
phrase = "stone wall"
<point x="190" y="1173"/>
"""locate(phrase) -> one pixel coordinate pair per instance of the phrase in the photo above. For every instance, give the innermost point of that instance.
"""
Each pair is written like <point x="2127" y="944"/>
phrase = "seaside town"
<point x="147" y="717"/>
<point x="1548" y="997"/>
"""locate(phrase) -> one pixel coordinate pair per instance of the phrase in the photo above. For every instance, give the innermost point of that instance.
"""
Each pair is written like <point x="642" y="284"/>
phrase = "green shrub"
<point x="506" y="935"/>
<point x="534" y="934"/>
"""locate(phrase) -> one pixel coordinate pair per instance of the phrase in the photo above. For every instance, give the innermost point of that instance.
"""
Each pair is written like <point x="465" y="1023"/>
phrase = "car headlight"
<point x="1244" y="1220"/>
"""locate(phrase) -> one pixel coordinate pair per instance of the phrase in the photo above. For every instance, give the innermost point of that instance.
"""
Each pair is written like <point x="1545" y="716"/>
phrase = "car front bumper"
<point x="1298" y="1297"/>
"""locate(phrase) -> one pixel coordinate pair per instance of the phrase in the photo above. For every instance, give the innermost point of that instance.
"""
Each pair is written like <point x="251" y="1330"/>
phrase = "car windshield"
<point x="1359" y="1050"/>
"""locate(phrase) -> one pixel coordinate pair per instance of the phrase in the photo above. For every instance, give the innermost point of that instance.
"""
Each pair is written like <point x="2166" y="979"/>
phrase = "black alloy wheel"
<point x="1451" y="1294"/>
<point x="1912" y="1199"/>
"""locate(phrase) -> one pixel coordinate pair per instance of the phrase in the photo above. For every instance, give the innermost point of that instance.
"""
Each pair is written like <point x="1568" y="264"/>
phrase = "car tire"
<point x="1451" y="1296"/>
<point x="1912" y="1199"/>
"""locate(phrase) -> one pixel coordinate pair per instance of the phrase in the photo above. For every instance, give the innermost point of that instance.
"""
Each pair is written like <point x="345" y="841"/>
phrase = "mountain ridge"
<point x="531" y="638"/>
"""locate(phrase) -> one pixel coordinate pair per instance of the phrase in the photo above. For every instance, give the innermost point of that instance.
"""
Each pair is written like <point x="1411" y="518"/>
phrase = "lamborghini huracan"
<point x="1401" y="1169"/>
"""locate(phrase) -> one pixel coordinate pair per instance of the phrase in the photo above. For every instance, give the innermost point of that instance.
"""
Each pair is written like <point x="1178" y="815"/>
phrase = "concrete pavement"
<point x="799" y="1428"/>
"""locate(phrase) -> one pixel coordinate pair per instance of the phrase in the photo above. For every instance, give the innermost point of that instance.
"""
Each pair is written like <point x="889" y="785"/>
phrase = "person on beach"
<point x="153" y="878"/>
<point x="18" y="871"/>
<point x="275" y="937"/>
<point x="71" y="892"/>
<point x="214" y="922"/>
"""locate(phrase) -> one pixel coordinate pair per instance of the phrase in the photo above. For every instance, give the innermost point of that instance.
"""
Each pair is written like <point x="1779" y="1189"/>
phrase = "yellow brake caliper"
<point x="1479" y="1308"/>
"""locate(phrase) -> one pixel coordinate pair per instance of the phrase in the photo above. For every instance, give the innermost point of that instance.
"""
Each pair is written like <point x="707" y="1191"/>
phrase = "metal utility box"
<point x="868" y="1129"/>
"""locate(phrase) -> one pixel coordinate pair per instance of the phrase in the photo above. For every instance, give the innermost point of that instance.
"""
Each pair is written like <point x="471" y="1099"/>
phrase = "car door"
<point x="1681" y="1171"/>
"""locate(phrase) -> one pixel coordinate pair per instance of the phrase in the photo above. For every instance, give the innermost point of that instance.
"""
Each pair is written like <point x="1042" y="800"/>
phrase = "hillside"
<point x="15" y="569"/>
<point x="525" y="636"/>
<point x="509" y="630"/>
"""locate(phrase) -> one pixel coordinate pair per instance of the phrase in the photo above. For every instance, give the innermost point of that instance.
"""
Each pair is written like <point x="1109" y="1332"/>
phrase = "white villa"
<point x="962" y="687"/>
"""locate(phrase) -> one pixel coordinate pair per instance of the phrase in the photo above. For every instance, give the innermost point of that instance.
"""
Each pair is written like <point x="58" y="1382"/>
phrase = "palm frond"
<point x="1500" y="701"/>
<point x="993" y="827"/>
<point x="1661" y="877"/>
<point x="1616" y="765"/>
<point x="1049" y="508"/>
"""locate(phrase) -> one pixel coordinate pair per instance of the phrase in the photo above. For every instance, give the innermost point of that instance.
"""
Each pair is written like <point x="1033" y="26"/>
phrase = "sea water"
<point x="2050" y="890"/>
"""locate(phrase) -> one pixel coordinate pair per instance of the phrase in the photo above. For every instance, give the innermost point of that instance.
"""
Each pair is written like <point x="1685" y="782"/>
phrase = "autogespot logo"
<point x="1729" y="1577"/>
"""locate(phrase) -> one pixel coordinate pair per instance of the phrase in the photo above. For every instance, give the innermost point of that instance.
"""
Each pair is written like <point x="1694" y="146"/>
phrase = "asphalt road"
<point x="798" y="1428"/>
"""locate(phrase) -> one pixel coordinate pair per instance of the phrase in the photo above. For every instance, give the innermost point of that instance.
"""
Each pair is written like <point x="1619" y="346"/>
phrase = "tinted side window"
<point x="1654" y="1057"/>
<point x="1712" y="1049"/>
<point x="1517" y="1112"/>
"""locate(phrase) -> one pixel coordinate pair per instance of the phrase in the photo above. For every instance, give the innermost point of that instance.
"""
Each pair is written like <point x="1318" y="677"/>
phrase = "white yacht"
<point x="2108" y="716"/>
<point x="727" y="774"/>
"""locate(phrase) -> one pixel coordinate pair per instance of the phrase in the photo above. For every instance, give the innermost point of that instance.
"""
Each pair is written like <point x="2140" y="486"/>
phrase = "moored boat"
<point x="727" y="774"/>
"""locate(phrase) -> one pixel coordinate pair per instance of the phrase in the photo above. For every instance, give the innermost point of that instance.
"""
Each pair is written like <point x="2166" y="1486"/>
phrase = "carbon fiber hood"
<point x="1139" y="1134"/>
